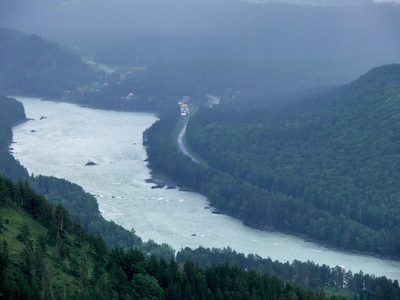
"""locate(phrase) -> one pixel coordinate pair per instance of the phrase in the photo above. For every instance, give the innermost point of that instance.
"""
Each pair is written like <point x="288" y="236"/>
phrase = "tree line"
<point x="305" y="274"/>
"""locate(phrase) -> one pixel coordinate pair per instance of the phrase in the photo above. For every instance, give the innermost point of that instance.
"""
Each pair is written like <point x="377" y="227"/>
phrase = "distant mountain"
<point x="273" y="47"/>
<point x="32" y="65"/>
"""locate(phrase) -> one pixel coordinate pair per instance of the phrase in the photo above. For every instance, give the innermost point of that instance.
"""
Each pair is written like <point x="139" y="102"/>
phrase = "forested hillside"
<point x="331" y="174"/>
<point x="31" y="65"/>
<point x="326" y="167"/>
<point x="44" y="254"/>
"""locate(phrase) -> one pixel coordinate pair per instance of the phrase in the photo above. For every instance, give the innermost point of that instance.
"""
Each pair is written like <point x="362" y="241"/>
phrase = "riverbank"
<point x="326" y="245"/>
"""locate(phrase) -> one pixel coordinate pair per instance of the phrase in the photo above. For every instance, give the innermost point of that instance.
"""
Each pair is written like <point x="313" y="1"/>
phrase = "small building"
<point x="130" y="96"/>
<point x="185" y="109"/>
<point x="80" y="91"/>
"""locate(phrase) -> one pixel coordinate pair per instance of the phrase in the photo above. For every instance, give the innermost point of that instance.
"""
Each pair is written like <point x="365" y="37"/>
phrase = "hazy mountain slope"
<point x="283" y="46"/>
<point x="32" y="65"/>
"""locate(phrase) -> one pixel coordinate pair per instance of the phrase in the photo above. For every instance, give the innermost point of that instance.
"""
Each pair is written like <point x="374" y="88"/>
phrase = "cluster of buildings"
<point x="78" y="92"/>
<point x="185" y="105"/>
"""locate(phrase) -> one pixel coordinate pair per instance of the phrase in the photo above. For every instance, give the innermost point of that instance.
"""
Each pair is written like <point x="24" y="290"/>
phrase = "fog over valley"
<point x="292" y="46"/>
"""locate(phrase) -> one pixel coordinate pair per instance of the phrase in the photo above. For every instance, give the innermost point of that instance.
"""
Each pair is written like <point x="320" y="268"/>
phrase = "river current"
<point x="62" y="138"/>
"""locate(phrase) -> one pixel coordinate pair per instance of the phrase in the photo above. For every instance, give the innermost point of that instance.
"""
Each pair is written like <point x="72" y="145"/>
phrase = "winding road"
<point x="181" y="142"/>
<point x="181" y="136"/>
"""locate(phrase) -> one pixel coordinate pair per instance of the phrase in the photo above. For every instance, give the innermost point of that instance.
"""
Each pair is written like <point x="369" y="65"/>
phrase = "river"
<point x="68" y="136"/>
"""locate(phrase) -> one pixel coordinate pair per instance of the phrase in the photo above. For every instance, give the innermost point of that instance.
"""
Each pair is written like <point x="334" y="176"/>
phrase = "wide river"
<point x="61" y="143"/>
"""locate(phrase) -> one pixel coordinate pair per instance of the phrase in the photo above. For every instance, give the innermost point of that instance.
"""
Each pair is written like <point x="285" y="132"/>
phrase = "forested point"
<point x="11" y="112"/>
<point x="325" y="167"/>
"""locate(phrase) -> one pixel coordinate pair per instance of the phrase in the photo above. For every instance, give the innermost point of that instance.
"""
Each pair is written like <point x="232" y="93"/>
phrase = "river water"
<point x="68" y="136"/>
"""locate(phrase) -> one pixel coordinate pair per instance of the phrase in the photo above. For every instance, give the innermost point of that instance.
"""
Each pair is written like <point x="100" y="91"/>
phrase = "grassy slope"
<point x="58" y="274"/>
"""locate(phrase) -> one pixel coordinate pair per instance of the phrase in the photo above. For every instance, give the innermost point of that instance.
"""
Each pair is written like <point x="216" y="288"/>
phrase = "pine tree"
<point x="4" y="263"/>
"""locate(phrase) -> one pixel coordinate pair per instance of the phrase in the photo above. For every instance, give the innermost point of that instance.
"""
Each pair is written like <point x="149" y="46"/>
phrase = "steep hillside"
<point x="44" y="254"/>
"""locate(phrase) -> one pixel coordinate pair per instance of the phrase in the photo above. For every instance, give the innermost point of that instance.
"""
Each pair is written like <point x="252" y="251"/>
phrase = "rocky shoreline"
<point x="161" y="181"/>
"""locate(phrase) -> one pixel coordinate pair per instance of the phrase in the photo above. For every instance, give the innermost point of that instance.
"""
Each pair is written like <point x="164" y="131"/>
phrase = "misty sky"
<point x="316" y="2"/>
<point x="71" y="19"/>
